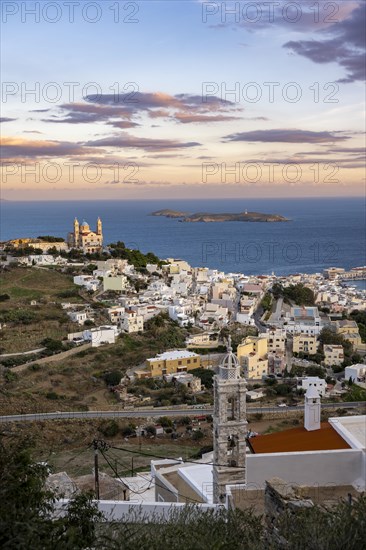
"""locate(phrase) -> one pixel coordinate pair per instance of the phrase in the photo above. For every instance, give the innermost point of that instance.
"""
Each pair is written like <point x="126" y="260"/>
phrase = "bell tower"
<point x="99" y="226"/>
<point x="229" y="425"/>
<point x="76" y="232"/>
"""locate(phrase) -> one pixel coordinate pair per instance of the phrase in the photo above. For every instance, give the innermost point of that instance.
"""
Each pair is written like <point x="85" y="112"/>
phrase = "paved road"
<point x="140" y="413"/>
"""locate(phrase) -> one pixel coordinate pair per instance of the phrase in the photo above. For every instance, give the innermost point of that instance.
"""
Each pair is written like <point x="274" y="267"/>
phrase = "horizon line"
<point x="3" y="200"/>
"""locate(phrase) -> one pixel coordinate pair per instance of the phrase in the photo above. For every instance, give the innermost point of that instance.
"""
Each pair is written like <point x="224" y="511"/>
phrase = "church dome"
<point x="85" y="226"/>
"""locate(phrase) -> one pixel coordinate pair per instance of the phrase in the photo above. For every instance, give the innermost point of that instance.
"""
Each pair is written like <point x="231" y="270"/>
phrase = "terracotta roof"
<point x="299" y="439"/>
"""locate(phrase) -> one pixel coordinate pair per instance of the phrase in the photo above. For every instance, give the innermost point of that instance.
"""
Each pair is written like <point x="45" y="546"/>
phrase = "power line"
<point x="124" y="465"/>
<point x="157" y="483"/>
<point x="173" y="459"/>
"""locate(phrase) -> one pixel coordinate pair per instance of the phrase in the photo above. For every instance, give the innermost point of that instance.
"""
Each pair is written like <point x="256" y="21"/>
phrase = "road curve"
<point x="157" y="412"/>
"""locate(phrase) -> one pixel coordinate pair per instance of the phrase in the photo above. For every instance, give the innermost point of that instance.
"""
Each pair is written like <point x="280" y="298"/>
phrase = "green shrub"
<point x="52" y="395"/>
<point x="109" y="428"/>
<point x="35" y="367"/>
<point x="197" y="435"/>
<point x="113" y="378"/>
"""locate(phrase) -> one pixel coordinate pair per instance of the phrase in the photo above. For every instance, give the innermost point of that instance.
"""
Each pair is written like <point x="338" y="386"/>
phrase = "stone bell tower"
<point x="99" y="227"/>
<point x="229" y="425"/>
<point x="76" y="233"/>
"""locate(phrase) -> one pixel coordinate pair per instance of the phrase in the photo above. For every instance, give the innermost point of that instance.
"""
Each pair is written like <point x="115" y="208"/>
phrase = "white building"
<point x="79" y="316"/>
<point x="356" y="372"/>
<point x="313" y="382"/>
<point x="87" y="281"/>
<point x="213" y="315"/>
<point x="116" y="314"/>
<point x="181" y="314"/>
<point x="101" y="335"/>
<point x="303" y="319"/>
<point x="132" y="322"/>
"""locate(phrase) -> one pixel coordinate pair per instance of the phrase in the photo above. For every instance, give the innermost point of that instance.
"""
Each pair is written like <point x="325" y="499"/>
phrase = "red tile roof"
<point x="299" y="439"/>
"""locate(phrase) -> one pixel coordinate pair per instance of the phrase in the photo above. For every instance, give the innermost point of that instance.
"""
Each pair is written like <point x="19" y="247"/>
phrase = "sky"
<point x="182" y="99"/>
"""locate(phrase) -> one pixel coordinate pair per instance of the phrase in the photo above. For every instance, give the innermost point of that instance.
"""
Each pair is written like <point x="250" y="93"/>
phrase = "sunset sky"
<point x="182" y="99"/>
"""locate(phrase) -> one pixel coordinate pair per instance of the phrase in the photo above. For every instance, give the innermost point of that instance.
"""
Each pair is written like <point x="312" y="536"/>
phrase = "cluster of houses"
<point x="210" y="300"/>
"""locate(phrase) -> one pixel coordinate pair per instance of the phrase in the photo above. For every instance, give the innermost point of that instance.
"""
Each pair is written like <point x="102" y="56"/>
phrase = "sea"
<point x="322" y="232"/>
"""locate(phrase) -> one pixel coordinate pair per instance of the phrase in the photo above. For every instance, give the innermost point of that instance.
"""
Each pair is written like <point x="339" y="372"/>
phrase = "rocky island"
<point x="224" y="217"/>
<point x="170" y="213"/>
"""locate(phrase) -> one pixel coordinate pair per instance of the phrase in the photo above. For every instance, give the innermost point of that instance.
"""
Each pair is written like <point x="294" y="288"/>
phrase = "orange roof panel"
<point x="299" y="439"/>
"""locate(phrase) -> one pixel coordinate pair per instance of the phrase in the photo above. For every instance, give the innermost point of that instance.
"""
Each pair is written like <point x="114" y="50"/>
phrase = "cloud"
<point x="84" y="113"/>
<point x="346" y="45"/>
<point x="121" y="110"/>
<point x="286" y="136"/>
<point x="186" y="118"/>
<point x="22" y="148"/>
<point x="123" y="124"/>
<point x="300" y="16"/>
<point x="131" y="142"/>
<point x="6" y="119"/>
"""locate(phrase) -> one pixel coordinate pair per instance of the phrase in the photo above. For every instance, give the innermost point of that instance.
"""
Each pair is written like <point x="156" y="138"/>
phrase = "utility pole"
<point x="96" y="469"/>
<point x="98" y="444"/>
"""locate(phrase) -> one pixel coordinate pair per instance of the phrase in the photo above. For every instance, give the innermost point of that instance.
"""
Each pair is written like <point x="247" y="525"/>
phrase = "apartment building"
<point x="170" y="362"/>
<point x="333" y="355"/>
<point x="252" y="355"/>
<point x="304" y="343"/>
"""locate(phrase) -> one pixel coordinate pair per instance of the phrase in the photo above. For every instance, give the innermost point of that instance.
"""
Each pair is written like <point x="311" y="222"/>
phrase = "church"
<point x="83" y="238"/>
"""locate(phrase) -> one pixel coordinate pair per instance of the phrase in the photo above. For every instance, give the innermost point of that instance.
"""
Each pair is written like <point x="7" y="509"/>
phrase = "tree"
<point x="266" y="302"/>
<point x="27" y="507"/>
<point x="150" y="430"/>
<point x="109" y="428"/>
<point x="165" y="422"/>
<point x="52" y="346"/>
<point x="113" y="378"/>
<point x="205" y="375"/>
<point x="299" y="294"/>
<point x="28" y="521"/>
<point x="197" y="435"/>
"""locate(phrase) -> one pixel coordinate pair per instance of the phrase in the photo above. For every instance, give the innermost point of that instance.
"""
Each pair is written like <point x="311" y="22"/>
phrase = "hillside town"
<point x="289" y="341"/>
<point x="285" y="317"/>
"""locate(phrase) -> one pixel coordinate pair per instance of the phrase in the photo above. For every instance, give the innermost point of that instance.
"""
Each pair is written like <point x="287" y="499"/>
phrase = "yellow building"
<point x="84" y="238"/>
<point x="38" y="243"/>
<point x="333" y="355"/>
<point x="252" y="355"/>
<point x="304" y="343"/>
<point x="170" y="362"/>
<point x="349" y="330"/>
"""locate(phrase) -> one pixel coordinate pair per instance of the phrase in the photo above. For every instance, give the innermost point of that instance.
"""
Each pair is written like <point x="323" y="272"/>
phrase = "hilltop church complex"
<point x="84" y="238"/>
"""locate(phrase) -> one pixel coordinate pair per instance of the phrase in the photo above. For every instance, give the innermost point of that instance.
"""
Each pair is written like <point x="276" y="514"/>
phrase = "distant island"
<point x="209" y="218"/>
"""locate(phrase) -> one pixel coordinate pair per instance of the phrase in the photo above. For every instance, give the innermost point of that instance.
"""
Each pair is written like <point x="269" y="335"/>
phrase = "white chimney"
<point x="312" y="410"/>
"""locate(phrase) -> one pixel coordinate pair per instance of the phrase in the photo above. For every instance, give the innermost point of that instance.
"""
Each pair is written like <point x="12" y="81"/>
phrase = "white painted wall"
<point x="340" y="467"/>
<point x="117" y="510"/>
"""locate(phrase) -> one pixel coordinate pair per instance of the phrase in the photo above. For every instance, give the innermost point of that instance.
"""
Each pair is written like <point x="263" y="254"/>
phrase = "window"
<point x="231" y="408"/>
